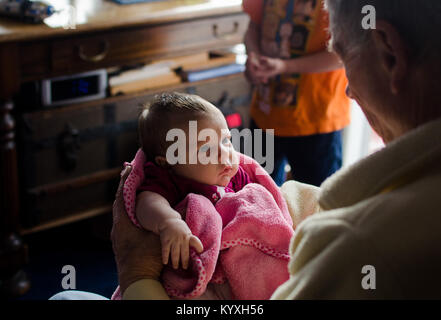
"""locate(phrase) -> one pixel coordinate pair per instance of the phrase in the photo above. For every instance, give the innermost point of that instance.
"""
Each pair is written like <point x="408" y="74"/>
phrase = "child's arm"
<point x="154" y="213"/>
<point x="253" y="51"/>
<point x="252" y="37"/>
<point x="322" y="61"/>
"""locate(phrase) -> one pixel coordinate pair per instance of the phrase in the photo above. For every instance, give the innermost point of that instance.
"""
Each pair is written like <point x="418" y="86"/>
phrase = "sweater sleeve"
<point x="331" y="261"/>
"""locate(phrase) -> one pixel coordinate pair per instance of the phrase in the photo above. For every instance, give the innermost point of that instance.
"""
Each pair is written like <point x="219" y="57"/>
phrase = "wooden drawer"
<point x="35" y="60"/>
<point x="54" y="57"/>
<point x="70" y="157"/>
<point x="140" y="44"/>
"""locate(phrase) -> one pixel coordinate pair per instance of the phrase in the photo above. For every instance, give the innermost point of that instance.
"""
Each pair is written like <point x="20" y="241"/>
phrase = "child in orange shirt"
<point x="299" y="86"/>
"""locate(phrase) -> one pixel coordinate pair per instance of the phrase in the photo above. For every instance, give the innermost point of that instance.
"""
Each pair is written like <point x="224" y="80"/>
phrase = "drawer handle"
<point x="96" y="58"/>
<point x="226" y="35"/>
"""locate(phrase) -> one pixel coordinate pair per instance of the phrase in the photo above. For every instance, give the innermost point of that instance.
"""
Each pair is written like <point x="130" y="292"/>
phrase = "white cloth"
<point x="77" y="295"/>
<point x="397" y="232"/>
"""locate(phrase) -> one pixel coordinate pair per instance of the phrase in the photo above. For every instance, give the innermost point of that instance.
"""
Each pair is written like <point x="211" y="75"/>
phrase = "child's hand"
<point x="176" y="239"/>
<point x="269" y="68"/>
<point x="252" y="66"/>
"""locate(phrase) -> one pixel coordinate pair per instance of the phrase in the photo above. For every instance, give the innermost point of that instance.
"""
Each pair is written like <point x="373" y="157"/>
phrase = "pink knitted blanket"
<point x="246" y="237"/>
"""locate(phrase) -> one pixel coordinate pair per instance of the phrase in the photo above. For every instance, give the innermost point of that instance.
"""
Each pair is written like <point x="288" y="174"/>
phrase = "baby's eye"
<point x="226" y="140"/>
<point x="204" y="148"/>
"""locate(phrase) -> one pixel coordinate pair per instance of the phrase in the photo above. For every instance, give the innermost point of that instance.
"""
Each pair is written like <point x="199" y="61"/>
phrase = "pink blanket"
<point x="246" y="237"/>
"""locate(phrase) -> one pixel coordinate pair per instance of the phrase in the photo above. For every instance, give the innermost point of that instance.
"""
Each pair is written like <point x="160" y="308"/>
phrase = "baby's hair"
<point x="167" y="111"/>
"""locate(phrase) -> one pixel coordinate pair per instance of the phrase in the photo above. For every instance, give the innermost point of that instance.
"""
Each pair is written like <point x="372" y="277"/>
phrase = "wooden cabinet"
<point x="95" y="50"/>
<point x="137" y="44"/>
<point x="62" y="164"/>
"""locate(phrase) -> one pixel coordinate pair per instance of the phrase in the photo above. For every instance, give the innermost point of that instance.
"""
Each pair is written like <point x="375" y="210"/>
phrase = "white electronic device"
<point x="74" y="88"/>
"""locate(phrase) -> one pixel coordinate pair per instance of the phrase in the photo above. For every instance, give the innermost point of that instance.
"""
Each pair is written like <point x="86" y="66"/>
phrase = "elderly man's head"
<point x="394" y="71"/>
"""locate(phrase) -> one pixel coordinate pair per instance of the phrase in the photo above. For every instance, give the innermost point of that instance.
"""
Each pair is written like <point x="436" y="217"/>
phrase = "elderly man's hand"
<point x="137" y="251"/>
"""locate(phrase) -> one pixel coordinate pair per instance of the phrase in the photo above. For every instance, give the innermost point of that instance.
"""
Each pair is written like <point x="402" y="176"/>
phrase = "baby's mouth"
<point x="226" y="170"/>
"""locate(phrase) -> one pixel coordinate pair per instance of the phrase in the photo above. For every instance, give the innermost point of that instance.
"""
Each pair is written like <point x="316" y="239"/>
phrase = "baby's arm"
<point x="154" y="213"/>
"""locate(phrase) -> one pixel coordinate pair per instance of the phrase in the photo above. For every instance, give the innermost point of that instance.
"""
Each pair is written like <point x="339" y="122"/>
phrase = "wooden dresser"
<point x="60" y="165"/>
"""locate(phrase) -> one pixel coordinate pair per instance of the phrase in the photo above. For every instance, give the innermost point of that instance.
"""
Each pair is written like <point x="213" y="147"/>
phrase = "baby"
<point x="167" y="183"/>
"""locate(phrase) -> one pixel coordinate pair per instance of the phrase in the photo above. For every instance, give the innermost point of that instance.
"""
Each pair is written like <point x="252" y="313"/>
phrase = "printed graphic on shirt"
<point x="304" y="10"/>
<point x="285" y="93"/>
<point x="286" y="28"/>
<point x="270" y="26"/>
<point x="285" y="40"/>
<point x="299" y="38"/>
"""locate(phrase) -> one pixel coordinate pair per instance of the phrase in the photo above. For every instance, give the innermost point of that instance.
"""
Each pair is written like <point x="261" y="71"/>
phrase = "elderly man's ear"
<point x="393" y="54"/>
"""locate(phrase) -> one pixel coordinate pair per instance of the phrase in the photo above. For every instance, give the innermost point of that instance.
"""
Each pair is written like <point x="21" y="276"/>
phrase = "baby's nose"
<point x="225" y="156"/>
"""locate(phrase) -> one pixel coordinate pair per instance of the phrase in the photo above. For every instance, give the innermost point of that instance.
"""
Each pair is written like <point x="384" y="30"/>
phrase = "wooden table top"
<point x="96" y="15"/>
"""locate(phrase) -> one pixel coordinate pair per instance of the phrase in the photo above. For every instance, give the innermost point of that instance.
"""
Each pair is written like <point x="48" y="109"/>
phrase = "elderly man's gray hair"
<point x="418" y="21"/>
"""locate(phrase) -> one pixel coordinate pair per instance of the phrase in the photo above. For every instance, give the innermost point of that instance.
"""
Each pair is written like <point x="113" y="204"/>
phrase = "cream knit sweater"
<point x="384" y="212"/>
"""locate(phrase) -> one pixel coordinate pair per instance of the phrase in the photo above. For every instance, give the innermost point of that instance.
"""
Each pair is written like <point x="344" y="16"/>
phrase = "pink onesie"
<point x="175" y="188"/>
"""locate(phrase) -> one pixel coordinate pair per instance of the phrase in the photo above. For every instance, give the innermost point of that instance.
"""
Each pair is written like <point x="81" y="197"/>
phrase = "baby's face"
<point x="216" y="160"/>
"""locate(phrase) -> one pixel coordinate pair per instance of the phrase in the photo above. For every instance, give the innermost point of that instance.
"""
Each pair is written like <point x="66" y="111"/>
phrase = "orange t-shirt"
<point x="297" y="104"/>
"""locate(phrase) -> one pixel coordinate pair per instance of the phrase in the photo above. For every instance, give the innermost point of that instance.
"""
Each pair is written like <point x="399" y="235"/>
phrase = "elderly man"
<point x="378" y="235"/>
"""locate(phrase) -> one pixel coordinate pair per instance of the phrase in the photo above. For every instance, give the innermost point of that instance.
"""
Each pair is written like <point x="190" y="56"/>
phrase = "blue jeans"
<point x="77" y="295"/>
<point x="312" y="158"/>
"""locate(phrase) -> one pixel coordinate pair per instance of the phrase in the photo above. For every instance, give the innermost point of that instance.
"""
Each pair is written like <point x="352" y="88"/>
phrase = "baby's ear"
<point x="161" y="161"/>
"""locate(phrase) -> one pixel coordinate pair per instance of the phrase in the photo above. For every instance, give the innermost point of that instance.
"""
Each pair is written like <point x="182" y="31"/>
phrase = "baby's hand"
<point x="176" y="238"/>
